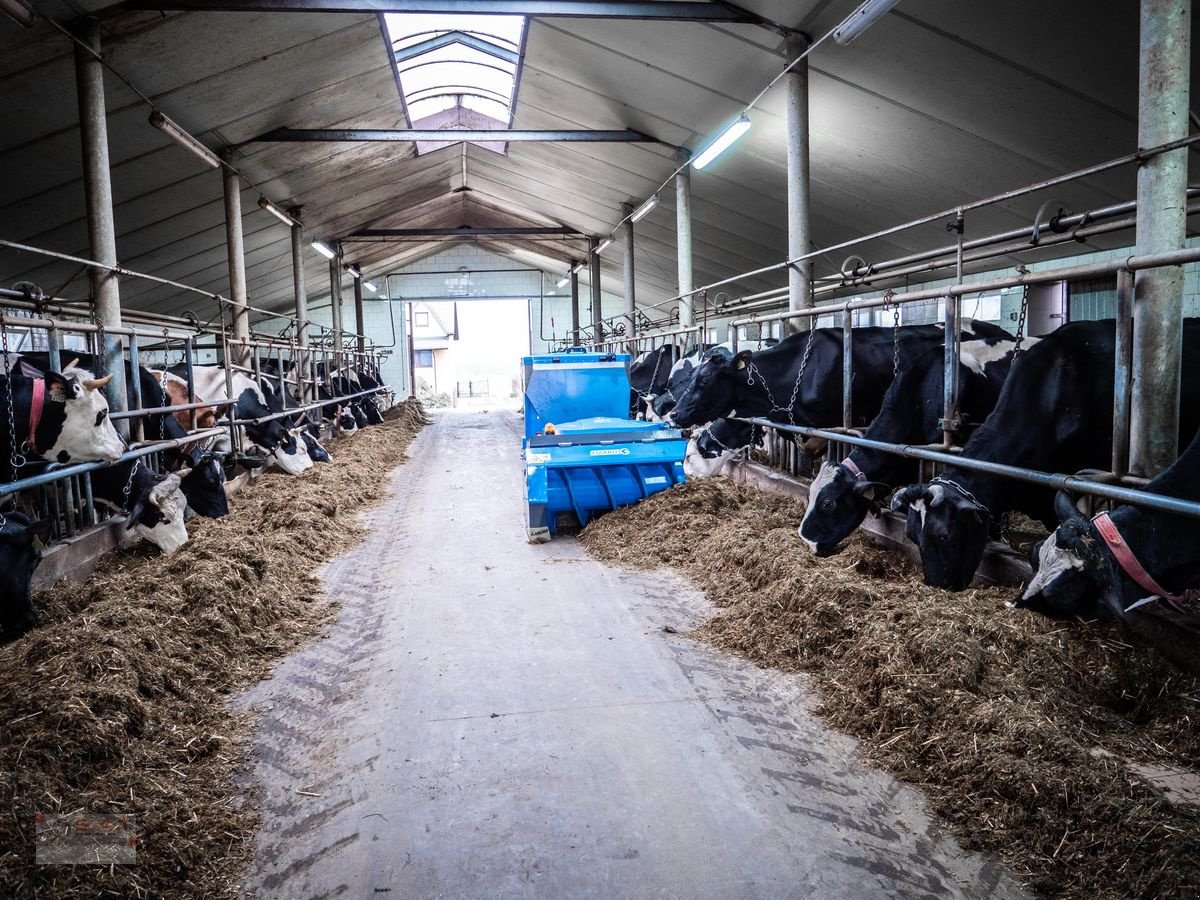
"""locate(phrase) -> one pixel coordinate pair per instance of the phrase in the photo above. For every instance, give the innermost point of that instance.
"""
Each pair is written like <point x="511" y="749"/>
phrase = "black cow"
<point x="1054" y="414"/>
<point x="648" y="376"/>
<point x="316" y="451"/>
<point x="18" y="559"/>
<point x="203" y="483"/>
<point x="309" y="432"/>
<point x="842" y="494"/>
<point x="351" y="381"/>
<point x="1077" y="572"/>
<point x="152" y="502"/>
<point x="58" y="417"/>
<point x="763" y="384"/>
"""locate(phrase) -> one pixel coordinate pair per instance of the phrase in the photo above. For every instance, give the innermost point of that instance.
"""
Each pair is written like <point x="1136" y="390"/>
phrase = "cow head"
<point x="291" y="455"/>
<point x="371" y="410"/>
<point x="1074" y="573"/>
<point x="86" y="432"/>
<point x="711" y="395"/>
<point x="157" y="511"/>
<point x="344" y="422"/>
<point x="950" y="529"/>
<point x="19" y="556"/>
<point x="837" y="504"/>
<point x="203" y="484"/>
<point x="316" y="452"/>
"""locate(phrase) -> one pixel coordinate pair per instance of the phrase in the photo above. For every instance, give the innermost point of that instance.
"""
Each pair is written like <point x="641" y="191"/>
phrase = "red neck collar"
<point x="35" y="414"/>
<point x="1125" y="558"/>
<point x="854" y="470"/>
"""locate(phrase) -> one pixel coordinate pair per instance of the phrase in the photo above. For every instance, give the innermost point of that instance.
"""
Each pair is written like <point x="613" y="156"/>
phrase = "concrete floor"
<point x="494" y="719"/>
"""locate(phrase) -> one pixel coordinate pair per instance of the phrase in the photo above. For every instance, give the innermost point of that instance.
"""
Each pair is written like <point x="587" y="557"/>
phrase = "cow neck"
<point x="1124" y="555"/>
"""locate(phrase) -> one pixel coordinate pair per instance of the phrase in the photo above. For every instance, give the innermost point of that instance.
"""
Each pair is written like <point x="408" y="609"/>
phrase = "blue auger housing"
<point x="583" y="455"/>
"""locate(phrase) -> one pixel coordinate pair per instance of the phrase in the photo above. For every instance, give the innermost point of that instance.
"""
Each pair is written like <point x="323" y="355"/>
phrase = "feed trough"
<point x="583" y="455"/>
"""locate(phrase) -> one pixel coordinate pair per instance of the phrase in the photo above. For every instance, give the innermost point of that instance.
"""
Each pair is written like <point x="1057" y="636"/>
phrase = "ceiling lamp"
<point x="323" y="250"/>
<point x="168" y="127"/>
<point x="644" y="210"/>
<point x="861" y="19"/>
<point x="740" y="126"/>
<point x="274" y="210"/>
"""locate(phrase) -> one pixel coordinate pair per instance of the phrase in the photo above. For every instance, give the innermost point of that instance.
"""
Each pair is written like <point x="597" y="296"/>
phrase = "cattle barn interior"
<point x="649" y="448"/>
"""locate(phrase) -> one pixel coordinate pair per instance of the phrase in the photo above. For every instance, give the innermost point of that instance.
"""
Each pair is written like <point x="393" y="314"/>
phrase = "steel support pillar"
<point x="361" y="343"/>
<point x="574" y="305"/>
<point x="683" y="238"/>
<point x="799" y="274"/>
<point x="335" y="305"/>
<point x="301" y="298"/>
<point x="97" y="185"/>
<point x="1163" y="97"/>
<point x="627" y="269"/>
<point x="235" y="248"/>
<point x="594" y="264"/>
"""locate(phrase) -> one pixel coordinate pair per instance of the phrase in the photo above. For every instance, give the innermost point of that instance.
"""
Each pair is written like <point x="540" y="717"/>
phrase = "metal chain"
<point x="895" y="307"/>
<point x="99" y="346"/>
<point x="949" y="482"/>
<point x="162" y="385"/>
<point x="15" y="459"/>
<point x="1021" y="322"/>
<point x="752" y="371"/>
<point x="129" y="485"/>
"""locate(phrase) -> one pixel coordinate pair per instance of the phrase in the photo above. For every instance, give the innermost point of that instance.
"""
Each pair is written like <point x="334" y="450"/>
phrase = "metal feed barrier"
<point x="903" y="276"/>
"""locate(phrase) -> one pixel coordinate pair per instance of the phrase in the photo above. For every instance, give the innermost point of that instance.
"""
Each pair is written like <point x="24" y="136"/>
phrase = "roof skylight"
<point x="451" y="63"/>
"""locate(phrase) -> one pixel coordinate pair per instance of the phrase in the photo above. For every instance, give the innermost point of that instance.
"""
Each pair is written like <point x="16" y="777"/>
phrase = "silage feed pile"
<point x="1020" y="730"/>
<point x="116" y="704"/>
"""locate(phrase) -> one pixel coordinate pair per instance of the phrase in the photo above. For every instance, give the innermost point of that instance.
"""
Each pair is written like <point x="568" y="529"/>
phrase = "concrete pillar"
<point x="799" y="275"/>
<point x="1163" y="97"/>
<point x="574" y="305"/>
<point x="301" y="300"/>
<point x="97" y="185"/>
<point x="628" y="271"/>
<point x="235" y="250"/>
<point x="358" y="315"/>
<point x="335" y="304"/>
<point x="594" y="263"/>
<point x="683" y="239"/>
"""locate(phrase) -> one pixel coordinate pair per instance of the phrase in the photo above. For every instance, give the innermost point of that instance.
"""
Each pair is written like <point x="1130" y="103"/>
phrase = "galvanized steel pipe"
<point x="1163" y="97"/>
<point x="798" y="188"/>
<point x="683" y="237"/>
<point x="235" y="249"/>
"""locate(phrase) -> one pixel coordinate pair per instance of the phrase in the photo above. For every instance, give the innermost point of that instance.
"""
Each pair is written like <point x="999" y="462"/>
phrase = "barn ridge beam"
<point x="718" y="11"/>
<point x="452" y="135"/>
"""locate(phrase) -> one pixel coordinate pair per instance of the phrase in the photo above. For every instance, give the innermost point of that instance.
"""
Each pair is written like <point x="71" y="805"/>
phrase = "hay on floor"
<point x="116" y="703"/>
<point x="1020" y="730"/>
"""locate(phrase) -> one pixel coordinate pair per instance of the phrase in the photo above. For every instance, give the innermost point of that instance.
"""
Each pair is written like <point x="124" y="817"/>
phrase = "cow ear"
<point x="871" y="490"/>
<point x="135" y="514"/>
<point x="1064" y="507"/>
<point x="909" y="495"/>
<point x="60" y="387"/>
<point x="743" y="359"/>
<point x="41" y="530"/>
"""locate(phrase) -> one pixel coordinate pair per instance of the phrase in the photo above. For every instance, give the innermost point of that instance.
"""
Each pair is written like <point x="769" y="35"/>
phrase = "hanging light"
<point x="644" y="210"/>
<point x="323" y="250"/>
<point x="603" y="245"/>
<point x="353" y="269"/>
<point x="861" y="19"/>
<point x="19" y="12"/>
<point x="562" y="282"/>
<point x="370" y="286"/>
<point x="722" y="143"/>
<point x="265" y="204"/>
<point x="168" y="127"/>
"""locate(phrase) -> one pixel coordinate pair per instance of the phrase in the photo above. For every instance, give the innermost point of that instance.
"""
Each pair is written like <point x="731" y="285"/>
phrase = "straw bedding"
<point x="116" y="703"/>
<point x="1021" y="731"/>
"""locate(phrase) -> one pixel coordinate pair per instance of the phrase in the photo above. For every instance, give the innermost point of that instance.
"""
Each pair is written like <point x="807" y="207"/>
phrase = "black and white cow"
<point x="843" y="493"/>
<point x="679" y="379"/>
<point x="1054" y="414"/>
<point x="713" y="446"/>
<point x="154" y="505"/>
<point x="299" y="424"/>
<point x="19" y="556"/>
<point x="58" y="417"/>
<point x="1102" y="567"/>
<point x="352" y="381"/>
<point x="273" y="436"/>
<point x="763" y="384"/>
<point x="648" y="378"/>
<point x="203" y="483"/>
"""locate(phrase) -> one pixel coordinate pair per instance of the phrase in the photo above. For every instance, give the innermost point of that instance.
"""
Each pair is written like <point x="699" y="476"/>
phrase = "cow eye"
<point x="827" y="506"/>
<point x="100" y="416"/>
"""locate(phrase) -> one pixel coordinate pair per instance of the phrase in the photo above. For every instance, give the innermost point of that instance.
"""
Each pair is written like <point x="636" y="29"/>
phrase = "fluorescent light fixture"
<point x="168" y="127"/>
<point x="603" y="245"/>
<point x="353" y="269"/>
<point x="562" y="282"/>
<point x="861" y="19"/>
<point x="644" y="210"/>
<point x="721" y="144"/>
<point x="274" y="210"/>
<point x="370" y="286"/>
<point x="323" y="250"/>
<point x="578" y="267"/>
<point x="19" y="12"/>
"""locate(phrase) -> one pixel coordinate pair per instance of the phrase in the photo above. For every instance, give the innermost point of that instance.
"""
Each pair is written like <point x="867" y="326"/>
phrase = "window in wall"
<point x="424" y="359"/>
<point x="420" y="319"/>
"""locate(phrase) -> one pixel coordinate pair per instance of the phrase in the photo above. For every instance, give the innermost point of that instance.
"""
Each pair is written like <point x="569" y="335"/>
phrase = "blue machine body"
<point x="596" y="458"/>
